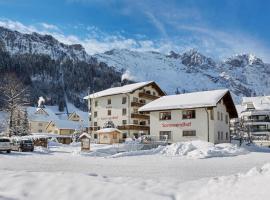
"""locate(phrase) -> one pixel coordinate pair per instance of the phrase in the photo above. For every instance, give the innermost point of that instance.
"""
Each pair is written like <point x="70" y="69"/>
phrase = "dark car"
<point x="22" y="145"/>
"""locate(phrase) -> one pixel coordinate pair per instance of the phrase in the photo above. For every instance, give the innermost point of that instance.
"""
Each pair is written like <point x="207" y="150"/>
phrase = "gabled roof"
<point x="192" y="100"/>
<point x="259" y="103"/>
<point x="66" y="124"/>
<point x="123" y="89"/>
<point x="35" y="115"/>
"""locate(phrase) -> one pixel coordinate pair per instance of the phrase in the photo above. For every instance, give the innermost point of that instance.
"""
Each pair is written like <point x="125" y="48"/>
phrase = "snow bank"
<point x="247" y="186"/>
<point x="191" y="149"/>
<point x="201" y="149"/>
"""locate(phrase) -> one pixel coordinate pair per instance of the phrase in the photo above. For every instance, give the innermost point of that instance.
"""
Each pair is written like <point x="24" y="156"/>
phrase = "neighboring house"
<point x="39" y="118"/>
<point x="255" y="117"/>
<point x="119" y="106"/>
<point x="199" y="115"/>
<point x="64" y="128"/>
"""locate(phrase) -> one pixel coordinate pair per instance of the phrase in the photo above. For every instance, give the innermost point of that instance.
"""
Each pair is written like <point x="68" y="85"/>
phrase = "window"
<point x="165" y="116"/>
<point x="226" y="119"/>
<point x="135" y="110"/>
<point x="109" y="102"/>
<point x="135" y="122"/>
<point x="189" y="133"/>
<point x="135" y="99"/>
<point x="124" y="100"/>
<point x="124" y="122"/>
<point x="148" y="92"/>
<point x="124" y="111"/>
<point x="40" y="131"/>
<point x="40" y="124"/>
<point x="96" y="103"/>
<point x="221" y="135"/>
<point x="95" y="123"/>
<point x="227" y="135"/>
<point x="218" y="135"/>
<point x="95" y="136"/>
<point x="109" y="112"/>
<point x="221" y="116"/>
<point x="143" y="123"/>
<point x="154" y="93"/>
<point x="165" y="135"/>
<point x="142" y="101"/>
<point x="212" y="114"/>
<point x="188" y="114"/>
<point x="95" y="114"/>
<point x="218" y="115"/>
<point x="124" y="135"/>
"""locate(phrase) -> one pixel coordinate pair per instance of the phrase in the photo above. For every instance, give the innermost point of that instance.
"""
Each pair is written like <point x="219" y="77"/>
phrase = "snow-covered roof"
<point x="239" y="109"/>
<point x="108" y="130"/>
<point x="259" y="103"/>
<point x="67" y="124"/>
<point x="187" y="100"/>
<point x="86" y="135"/>
<point x="119" y="90"/>
<point x="34" y="115"/>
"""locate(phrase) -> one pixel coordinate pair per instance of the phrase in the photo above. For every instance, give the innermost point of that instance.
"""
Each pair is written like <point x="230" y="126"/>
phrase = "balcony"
<point x="133" y="127"/>
<point x="94" y="128"/>
<point x="137" y="104"/>
<point x="147" y="96"/>
<point x="257" y="120"/>
<point x="139" y="116"/>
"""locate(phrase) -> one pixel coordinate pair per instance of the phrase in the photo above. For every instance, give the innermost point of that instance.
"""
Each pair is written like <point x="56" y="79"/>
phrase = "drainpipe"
<point x="208" y="136"/>
<point x="128" y="110"/>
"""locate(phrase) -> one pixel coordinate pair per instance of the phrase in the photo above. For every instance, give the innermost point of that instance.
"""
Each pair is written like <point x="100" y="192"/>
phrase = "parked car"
<point x="22" y="145"/>
<point x="5" y="145"/>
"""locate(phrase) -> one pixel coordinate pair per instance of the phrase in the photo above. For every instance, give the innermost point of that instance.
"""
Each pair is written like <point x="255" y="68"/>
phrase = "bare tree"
<point x="13" y="98"/>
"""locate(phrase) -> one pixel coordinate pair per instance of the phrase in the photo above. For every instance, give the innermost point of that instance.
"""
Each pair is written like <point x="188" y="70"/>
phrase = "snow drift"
<point x="190" y="149"/>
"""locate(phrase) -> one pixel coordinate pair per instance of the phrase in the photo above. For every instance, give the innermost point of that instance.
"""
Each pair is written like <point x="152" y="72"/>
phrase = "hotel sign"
<point x="182" y="124"/>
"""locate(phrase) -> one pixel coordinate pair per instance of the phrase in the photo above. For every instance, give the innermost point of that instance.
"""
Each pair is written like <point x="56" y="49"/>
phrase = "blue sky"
<point x="218" y="28"/>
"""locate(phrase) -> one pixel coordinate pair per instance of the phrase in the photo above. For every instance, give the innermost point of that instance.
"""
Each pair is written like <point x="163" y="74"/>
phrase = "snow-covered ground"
<point x="63" y="172"/>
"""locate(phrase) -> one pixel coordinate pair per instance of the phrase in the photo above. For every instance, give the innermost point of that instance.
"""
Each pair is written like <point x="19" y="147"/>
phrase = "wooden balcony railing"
<point x="137" y="104"/>
<point x="147" y="96"/>
<point x="139" y="116"/>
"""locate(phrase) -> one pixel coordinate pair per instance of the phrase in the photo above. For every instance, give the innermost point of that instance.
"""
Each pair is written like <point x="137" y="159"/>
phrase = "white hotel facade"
<point x="119" y="106"/>
<point x="199" y="115"/>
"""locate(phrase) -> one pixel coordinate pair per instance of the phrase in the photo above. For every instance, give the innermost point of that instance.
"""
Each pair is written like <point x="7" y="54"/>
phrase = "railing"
<point x="137" y="104"/>
<point x="147" y="96"/>
<point x="139" y="116"/>
<point x="257" y="120"/>
<point x="133" y="127"/>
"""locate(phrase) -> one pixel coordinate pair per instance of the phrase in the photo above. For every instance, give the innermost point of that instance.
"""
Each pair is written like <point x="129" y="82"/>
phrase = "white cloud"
<point x="49" y="26"/>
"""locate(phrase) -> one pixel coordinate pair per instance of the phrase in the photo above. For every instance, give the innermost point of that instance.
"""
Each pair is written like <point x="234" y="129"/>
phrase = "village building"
<point x="119" y="106"/>
<point x="255" y="117"/>
<point x="39" y="118"/>
<point x="109" y="136"/>
<point x="191" y="116"/>
<point x="64" y="130"/>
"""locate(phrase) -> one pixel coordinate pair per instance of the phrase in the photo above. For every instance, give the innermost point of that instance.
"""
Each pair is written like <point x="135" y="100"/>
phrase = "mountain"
<point x="62" y="73"/>
<point x="15" y="42"/>
<point x="244" y="75"/>
<point x="58" y="72"/>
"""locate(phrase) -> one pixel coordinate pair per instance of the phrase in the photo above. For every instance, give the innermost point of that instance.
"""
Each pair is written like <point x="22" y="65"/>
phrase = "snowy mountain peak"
<point x="194" y="58"/>
<point x="15" y="42"/>
<point x="242" y="60"/>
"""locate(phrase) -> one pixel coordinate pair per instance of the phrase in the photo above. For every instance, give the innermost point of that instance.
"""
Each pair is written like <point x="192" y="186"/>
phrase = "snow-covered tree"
<point x="13" y="98"/>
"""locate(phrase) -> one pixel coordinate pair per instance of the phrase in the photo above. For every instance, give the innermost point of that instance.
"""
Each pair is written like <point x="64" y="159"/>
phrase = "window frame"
<point x="124" y="113"/>
<point x="169" y="135"/>
<point x="192" y="117"/>
<point x="186" y="133"/>
<point x="163" y="119"/>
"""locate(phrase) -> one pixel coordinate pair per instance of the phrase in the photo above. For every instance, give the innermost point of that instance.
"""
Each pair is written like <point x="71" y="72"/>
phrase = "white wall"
<point x="199" y="124"/>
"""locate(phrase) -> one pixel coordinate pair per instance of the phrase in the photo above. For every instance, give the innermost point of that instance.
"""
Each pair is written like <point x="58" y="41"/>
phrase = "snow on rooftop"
<point x="48" y="116"/>
<point x="118" y="90"/>
<point x="108" y="130"/>
<point x="259" y="103"/>
<point x="187" y="100"/>
<point x="67" y="124"/>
